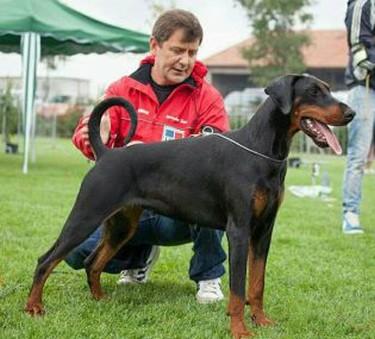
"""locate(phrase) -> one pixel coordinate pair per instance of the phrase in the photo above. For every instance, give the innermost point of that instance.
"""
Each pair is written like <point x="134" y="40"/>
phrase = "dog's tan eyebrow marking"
<point x="319" y="81"/>
<point x="325" y="85"/>
<point x="322" y="83"/>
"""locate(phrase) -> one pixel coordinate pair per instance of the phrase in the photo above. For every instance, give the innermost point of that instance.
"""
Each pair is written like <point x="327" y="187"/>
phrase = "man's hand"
<point x="105" y="127"/>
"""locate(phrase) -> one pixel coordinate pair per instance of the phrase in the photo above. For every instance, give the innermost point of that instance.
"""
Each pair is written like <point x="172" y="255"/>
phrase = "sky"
<point x="224" y="24"/>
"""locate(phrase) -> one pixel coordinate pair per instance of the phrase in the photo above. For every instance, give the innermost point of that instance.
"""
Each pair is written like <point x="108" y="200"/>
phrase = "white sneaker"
<point x="351" y="224"/>
<point x="140" y="275"/>
<point x="209" y="291"/>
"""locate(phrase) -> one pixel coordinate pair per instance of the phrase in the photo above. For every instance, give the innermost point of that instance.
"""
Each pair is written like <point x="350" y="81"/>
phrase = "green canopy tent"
<point x="48" y="27"/>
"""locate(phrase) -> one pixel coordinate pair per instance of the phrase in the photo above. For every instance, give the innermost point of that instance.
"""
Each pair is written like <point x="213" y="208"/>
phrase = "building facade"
<point x="52" y="89"/>
<point x="326" y="57"/>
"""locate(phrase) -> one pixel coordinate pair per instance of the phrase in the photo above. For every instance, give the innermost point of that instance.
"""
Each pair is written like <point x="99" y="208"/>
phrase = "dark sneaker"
<point x="140" y="275"/>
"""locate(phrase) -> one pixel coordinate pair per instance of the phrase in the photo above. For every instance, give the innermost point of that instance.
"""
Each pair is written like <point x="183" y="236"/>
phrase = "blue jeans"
<point x="359" y="142"/>
<point x="154" y="229"/>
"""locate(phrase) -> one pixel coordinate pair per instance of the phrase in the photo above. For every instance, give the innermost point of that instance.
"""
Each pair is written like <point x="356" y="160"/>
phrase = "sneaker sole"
<point x="208" y="301"/>
<point x="129" y="281"/>
<point x="353" y="232"/>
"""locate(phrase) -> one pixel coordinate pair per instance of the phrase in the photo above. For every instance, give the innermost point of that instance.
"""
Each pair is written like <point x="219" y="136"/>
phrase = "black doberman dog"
<point x="233" y="181"/>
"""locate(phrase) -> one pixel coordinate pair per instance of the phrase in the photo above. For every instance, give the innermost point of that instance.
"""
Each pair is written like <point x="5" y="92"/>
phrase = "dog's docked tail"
<point x="94" y="123"/>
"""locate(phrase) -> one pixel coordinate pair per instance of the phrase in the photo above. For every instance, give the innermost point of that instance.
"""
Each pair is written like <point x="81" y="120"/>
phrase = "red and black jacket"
<point x="191" y="105"/>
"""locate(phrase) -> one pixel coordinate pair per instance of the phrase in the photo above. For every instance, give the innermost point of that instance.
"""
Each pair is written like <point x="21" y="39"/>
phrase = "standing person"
<point x="360" y="78"/>
<point x="172" y="100"/>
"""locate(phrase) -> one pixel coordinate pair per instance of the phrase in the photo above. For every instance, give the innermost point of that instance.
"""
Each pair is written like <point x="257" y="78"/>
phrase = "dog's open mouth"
<point x="321" y="134"/>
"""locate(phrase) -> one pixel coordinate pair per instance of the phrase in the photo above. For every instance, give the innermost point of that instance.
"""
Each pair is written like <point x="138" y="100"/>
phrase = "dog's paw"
<point x="242" y="334"/>
<point x="34" y="309"/>
<point x="261" y="320"/>
<point x="238" y="329"/>
<point x="99" y="295"/>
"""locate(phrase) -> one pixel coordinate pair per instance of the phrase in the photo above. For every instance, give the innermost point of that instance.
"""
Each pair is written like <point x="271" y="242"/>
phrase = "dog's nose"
<point x="349" y="114"/>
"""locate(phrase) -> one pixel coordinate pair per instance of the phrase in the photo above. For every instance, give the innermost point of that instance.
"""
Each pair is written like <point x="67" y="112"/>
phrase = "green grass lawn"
<point x="320" y="283"/>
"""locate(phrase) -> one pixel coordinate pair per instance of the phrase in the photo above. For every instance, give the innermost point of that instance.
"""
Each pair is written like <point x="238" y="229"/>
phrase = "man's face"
<point x="174" y="59"/>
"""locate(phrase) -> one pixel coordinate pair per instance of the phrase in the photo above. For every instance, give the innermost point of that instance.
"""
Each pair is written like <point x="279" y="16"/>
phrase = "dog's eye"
<point x="314" y="91"/>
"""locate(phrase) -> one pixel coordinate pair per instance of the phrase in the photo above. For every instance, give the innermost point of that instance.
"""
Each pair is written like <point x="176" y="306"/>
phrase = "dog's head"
<point x="311" y="107"/>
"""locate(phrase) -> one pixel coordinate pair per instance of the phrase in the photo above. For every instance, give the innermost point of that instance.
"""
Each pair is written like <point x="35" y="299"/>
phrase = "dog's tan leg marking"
<point x="107" y="249"/>
<point x="256" y="271"/>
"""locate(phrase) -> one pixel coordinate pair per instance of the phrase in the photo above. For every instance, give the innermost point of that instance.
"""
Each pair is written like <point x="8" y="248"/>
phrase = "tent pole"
<point x="30" y="47"/>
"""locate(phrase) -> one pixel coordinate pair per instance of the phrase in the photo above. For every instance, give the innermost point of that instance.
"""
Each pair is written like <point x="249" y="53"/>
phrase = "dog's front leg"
<point x="238" y="240"/>
<point x="258" y="251"/>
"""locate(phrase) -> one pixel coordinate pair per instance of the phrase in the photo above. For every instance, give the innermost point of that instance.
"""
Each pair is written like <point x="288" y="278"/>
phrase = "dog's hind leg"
<point x="34" y="305"/>
<point x="117" y="231"/>
<point x="79" y="225"/>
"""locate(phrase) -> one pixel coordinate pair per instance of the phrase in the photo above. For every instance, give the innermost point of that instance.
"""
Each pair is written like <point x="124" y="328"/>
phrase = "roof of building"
<point x="328" y="49"/>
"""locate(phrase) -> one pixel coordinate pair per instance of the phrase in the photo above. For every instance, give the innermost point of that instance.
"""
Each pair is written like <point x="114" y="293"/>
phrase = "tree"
<point x="68" y="122"/>
<point x="158" y="7"/>
<point x="276" y="49"/>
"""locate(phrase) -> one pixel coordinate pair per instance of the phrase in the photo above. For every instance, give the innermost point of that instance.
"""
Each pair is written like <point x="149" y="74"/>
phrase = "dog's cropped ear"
<point x="281" y="91"/>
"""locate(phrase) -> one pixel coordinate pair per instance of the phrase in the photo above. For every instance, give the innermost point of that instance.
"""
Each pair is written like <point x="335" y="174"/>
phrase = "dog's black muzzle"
<point x="348" y="112"/>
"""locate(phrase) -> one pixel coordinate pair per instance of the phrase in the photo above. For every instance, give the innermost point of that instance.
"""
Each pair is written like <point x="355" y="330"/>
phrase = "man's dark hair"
<point x="175" y="19"/>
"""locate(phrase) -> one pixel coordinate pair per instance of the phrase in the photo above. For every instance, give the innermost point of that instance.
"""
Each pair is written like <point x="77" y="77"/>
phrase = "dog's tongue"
<point x="330" y="137"/>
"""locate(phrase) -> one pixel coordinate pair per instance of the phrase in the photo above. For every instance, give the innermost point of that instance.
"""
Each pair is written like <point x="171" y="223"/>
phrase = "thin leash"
<point x="279" y="161"/>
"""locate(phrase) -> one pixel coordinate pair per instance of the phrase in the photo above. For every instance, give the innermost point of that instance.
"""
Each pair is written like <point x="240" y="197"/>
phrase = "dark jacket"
<point x="360" y="25"/>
